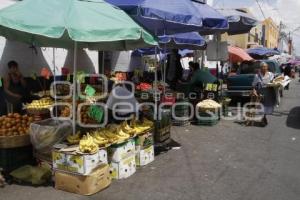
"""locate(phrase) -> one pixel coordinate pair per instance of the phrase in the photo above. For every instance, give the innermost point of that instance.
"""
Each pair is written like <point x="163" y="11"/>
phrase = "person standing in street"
<point x="287" y="72"/>
<point x="261" y="79"/>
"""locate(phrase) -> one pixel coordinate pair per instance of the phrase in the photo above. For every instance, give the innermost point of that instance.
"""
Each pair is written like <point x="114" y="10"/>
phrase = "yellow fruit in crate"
<point x="141" y="127"/>
<point x="74" y="139"/>
<point x="99" y="138"/>
<point x="127" y="129"/>
<point x="40" y="104"/>
<point x="88" y="145"/>
<point x="121" y="134"/>
<point x="148" y="122"/>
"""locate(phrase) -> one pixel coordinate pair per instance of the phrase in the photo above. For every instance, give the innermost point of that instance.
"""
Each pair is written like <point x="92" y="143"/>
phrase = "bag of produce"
<point x="46" y="133"/>
<point x="34" y="175"/>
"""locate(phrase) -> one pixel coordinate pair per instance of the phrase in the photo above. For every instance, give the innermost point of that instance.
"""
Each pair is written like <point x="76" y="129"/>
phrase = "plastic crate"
<point x="181" y="123"/>
<point x="208" y="119"/>
<point x="207" y="122"/>
<point x="162" y="134"/>
<point x="13" y="158"/>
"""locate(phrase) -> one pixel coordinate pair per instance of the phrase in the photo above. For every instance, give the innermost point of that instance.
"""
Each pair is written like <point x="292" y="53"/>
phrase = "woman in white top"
<point x="262" y="78"/>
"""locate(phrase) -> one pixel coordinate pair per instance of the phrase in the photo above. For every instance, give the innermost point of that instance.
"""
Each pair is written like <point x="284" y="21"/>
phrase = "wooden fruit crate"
<point x="7" y="142"/>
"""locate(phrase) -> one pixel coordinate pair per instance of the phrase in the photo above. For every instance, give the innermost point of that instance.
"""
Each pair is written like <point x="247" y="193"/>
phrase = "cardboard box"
<point x="144" y="141"/>
<point x="123" y="169"/>
<point x="118" y="152"/>
<point x="83" y="184"/>
<point x="78" y="163"/>
<point x="145" y="156"/>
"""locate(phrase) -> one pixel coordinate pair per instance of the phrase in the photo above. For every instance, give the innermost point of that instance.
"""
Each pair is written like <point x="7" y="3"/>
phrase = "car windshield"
<point x="252" y="68"/>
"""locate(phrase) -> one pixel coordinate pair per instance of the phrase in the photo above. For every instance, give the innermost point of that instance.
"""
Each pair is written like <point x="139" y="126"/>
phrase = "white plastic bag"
<point x="44" y="134"/>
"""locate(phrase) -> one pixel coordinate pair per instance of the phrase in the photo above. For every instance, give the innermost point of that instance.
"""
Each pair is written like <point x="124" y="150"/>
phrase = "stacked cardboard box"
<point x="122" y="159"/>
<point x="83" y="174"/>
<point x="89" y="184"/>
<point x="74" y="162"/>
<point x="144" y="149"/>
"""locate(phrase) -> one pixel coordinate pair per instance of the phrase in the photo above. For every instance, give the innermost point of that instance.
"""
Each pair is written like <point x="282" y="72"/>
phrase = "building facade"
<point x="248" y="40"/>
<point x="270" y="33"/>
<point x="264" y="34"/>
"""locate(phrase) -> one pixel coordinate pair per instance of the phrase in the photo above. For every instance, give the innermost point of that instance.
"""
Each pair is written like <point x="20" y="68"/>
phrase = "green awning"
<point x="94" y="24"/>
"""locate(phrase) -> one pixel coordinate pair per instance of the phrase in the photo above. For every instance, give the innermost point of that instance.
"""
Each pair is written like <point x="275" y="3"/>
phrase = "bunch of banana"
<point x="40" y="104"/>
<point x="88" y="145"/>
<point x="122" y="135"/>
<point x="99" y="138"/>
<point x="141" y="127"/>
<point x="148" y="122"/>
<point x="74" y="139"/>
<point x="127" y="129"/>
<point x="110" y="136"/>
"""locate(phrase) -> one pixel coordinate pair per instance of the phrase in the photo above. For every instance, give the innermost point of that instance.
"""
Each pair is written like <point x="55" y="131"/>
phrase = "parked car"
<point x="240" y="85"/>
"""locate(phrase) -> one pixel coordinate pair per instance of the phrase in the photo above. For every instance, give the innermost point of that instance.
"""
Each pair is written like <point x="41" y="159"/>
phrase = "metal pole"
<point x="74" y="88"/>
<point x="165" y="67"/>
<point x="54" y="77"/>
<point x="102" y="69"/>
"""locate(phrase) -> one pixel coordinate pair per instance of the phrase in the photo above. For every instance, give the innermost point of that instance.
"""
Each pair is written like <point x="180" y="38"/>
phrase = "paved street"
<point x="225" y="162"/>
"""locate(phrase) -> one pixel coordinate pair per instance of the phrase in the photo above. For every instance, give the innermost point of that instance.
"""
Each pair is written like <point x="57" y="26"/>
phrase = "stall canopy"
<point x="213" y="21"/>
<point x="94" y="24"/>
<point x="262" y="52"/>
<point x="190" y="40"/>
<point x="239" y="21"/>
<point x="237" y="54"/>
<point x="162" y="17"/>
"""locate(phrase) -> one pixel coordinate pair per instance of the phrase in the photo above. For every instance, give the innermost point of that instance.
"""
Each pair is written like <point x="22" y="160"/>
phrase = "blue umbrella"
<point x="190" y="40"/>
<point x="161" y="52"/>
<point x="262" y="52"/>
<point x="239" y="21"/>
<point x="148" y="52"/>
<point x="213" y="21"/>
<point x="162" y="17"/>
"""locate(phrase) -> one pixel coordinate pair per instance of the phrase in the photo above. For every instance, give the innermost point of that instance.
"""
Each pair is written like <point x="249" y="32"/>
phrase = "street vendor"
<point x="195" y="85"/>
<point x="174" y="69"/>
<point x="262" y="78"/>
<point x="15" y="87"/>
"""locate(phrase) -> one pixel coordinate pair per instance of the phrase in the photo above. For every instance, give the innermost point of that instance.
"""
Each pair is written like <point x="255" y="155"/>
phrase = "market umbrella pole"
<point x="164" y="67"/>
<point x="155" y="89"/>
<point x="54" y="78"/>
<point x="74" y="88"/>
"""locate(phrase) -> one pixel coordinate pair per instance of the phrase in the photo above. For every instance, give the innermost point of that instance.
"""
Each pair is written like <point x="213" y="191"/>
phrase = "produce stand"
<point x="85" y="158"/>
<point x="208" y="113"/>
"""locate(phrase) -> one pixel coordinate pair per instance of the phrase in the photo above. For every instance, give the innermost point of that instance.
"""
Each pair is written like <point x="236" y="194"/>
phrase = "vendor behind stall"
<point x="174" y="68"/>
<point x="262" y="78"/>
<point x="198" y="78"/>
<point x="15" y="87"/>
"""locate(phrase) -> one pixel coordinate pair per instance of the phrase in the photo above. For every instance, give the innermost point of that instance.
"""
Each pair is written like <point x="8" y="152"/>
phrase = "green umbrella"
<point x="204" y="76"/>
<point x="94" y="24"/>
<point x="91" y="24"/>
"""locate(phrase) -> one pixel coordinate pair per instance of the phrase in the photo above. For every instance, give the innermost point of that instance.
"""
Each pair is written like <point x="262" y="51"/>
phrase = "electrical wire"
<point x="261" y="10"/>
